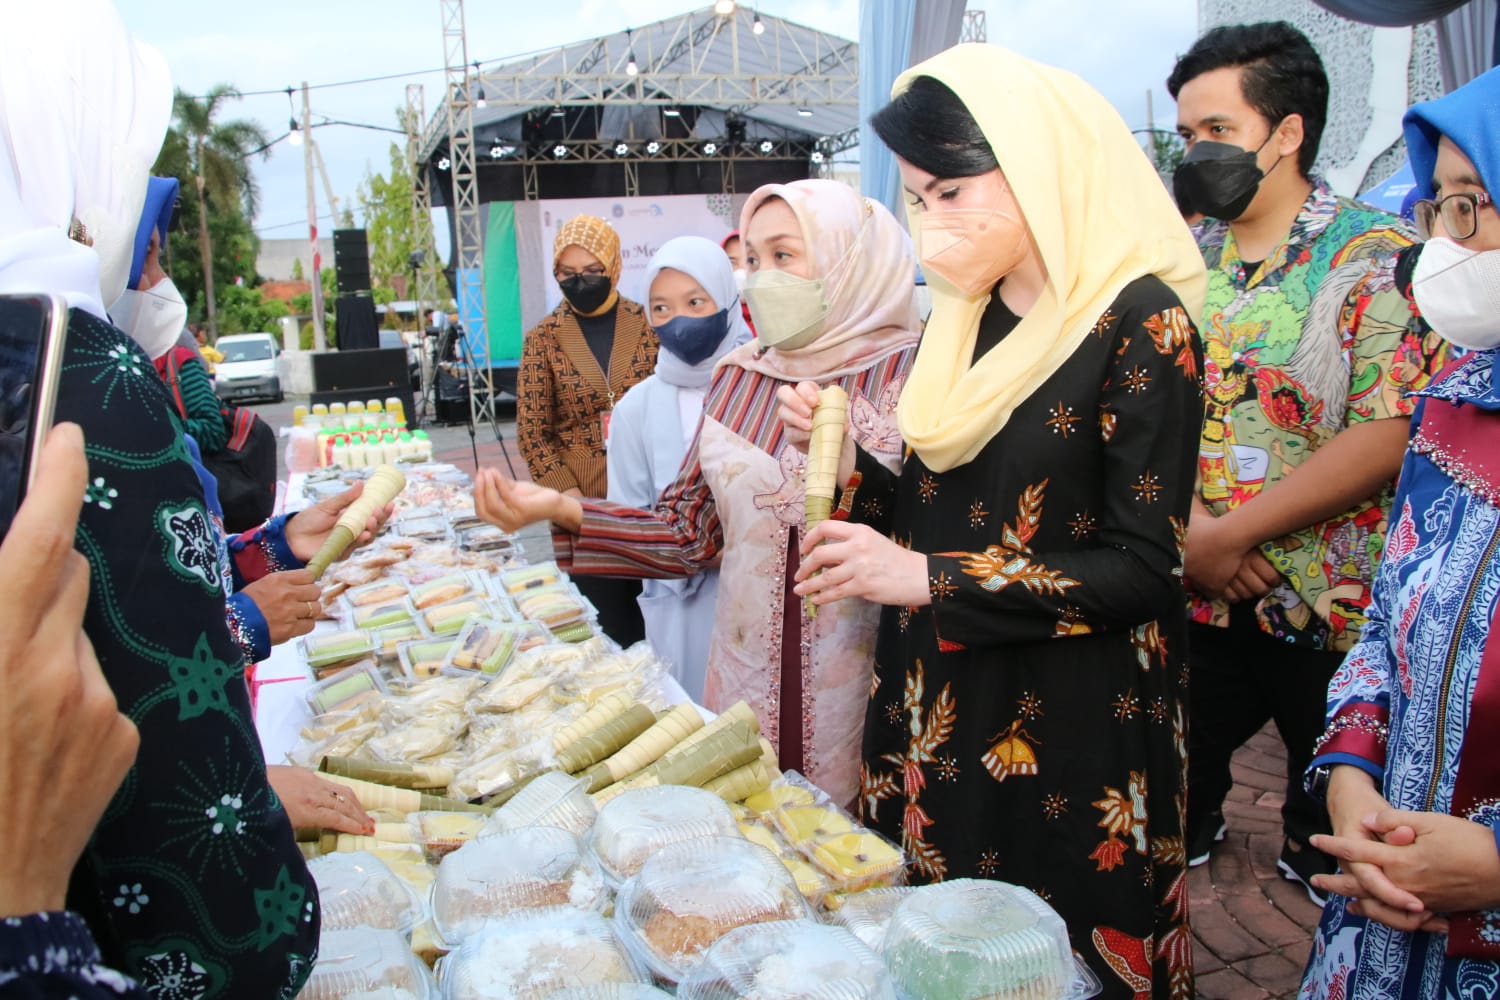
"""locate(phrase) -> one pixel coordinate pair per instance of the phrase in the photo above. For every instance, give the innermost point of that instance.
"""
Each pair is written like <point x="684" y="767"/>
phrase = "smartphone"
<point x="33" y="331"/>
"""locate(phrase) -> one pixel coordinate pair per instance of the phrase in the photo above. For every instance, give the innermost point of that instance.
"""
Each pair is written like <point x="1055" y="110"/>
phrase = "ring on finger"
<point x="312" y="609"/>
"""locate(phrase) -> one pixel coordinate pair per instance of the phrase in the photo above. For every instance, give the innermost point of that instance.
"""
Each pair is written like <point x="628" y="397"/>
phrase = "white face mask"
<point x="154" y="318"/>
<point x="1458" y="293"/>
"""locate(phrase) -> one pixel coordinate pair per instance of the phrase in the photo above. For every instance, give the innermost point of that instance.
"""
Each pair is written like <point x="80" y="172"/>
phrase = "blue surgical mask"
<point x="693" y="339"/>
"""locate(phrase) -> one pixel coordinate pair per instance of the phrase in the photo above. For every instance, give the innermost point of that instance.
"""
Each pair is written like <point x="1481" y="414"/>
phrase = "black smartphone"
<point x="33" y="330"/>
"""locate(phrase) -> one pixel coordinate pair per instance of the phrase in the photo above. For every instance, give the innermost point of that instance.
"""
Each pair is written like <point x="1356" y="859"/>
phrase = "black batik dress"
<point x="1028" y="725"/>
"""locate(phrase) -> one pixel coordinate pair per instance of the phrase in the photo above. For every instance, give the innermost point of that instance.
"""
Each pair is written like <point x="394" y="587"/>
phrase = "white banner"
<point x="644" y="224"/>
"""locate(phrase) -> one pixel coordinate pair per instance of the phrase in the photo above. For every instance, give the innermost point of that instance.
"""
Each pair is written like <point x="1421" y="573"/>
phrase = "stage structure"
<point x="702" y="104"/>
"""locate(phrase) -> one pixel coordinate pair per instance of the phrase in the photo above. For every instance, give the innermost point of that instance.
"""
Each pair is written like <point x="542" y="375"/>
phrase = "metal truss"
<point x="469" y="263"/>
<point x="633" y="152"/>
<point x="425" y="285"/>
<point x="975" y="27"/>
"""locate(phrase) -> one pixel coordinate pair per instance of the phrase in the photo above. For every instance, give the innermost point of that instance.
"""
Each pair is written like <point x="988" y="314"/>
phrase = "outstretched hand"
<point x="512" y="505"/>
<point x="307" y="529"/>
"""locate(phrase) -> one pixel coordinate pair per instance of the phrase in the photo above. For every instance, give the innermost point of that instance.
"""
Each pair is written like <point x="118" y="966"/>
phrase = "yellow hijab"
<point x="1099" y="215"/>
<point x="591" y="233"/>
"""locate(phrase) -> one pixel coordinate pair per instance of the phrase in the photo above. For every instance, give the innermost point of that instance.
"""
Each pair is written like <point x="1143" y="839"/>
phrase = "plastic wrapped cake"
<point x="365" y="962"/>
<point x="532" y="956"/>
<point x="690" y="894"/>
<point x="358" y="889"/>
<point x="867" y="915"/>
<point x="789" y="960"/>
<point x="973" y="938"/>
<point x="553" y="799"/>
<point x="636" y="824"/>
<point x="534" y="868"/>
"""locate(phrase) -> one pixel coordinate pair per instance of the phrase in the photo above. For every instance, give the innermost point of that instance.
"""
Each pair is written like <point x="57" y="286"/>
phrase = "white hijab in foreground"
<point x="83" y="111"/>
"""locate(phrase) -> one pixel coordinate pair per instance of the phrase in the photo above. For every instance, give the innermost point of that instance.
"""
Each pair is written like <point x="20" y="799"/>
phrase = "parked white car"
<point x="248" y="370"/>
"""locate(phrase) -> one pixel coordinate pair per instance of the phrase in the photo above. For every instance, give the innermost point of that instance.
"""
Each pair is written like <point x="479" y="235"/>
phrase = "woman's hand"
<point x="795" y="410"/>
<point x="1352" y="799"/>
<point x="1447" y="862"/>
<point x="512" y="505"/>
<point x="1255" y="578"/>
<point x="1214" y="554"/>
<point x="288" y="601"/>
<point x="64" y="746"/>
<point x="855" y="560"/>
<point x="307" y="529"/>
<point x="311" y="801"/>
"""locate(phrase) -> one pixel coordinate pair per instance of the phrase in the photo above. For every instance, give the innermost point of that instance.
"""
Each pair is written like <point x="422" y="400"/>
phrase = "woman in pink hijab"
<point x="831" y="290"/>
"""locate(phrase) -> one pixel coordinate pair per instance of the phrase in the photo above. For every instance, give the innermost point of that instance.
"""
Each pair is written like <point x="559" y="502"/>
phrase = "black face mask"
<point x="585" y="292"/>
<point x="1218" y="180"/>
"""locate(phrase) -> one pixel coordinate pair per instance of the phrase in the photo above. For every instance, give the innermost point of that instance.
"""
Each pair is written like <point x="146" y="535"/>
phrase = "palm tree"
<point x="218" y="158"/>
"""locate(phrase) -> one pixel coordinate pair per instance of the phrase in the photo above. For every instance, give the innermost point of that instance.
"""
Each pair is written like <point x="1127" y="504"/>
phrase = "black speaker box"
<point x="381" y="367"/>
<point x="351" y="260"/>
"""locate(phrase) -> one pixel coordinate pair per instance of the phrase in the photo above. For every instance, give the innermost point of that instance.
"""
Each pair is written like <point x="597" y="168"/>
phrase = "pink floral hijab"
<point x="866" y="259"/>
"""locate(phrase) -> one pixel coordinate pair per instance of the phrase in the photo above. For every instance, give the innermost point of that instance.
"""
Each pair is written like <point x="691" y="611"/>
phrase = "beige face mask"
<point x="972" y="248"/>
<point x="788" y="311"/>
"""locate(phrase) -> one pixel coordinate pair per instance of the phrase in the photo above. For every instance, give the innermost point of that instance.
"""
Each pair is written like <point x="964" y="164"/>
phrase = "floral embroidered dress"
<point x="1417" y="702"/>
<point x="1028" y="725"/>
<point x="1317" y="338"/>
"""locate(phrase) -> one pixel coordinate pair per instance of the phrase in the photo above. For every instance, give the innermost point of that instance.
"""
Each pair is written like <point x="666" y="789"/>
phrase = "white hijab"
<point x="706" y="263"/>
<point x="83" y="111"/>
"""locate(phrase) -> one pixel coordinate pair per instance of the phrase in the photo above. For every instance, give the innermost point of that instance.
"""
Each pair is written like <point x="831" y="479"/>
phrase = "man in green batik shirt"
<point x="1308" y="352"/>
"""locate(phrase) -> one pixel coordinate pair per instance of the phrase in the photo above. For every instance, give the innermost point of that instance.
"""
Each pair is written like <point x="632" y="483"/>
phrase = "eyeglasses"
<point x="1460" y="212"/>
<point x="593" y="271"/>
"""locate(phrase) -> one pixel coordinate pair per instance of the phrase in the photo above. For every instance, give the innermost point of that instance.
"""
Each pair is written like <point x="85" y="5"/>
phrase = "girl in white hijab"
<point x="694" y="305"/>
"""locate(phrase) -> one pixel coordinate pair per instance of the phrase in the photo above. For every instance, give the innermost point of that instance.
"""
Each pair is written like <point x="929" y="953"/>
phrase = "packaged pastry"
<point x="534" y="868"/>
<point x="367" y="963"/>
<point x="383" y="613"/>
<point x="379" y="592"/>
<point x="328" y="648"/>
<point x="421" y="658"/>
<point x="530" y="956"/>
<point x="976" y="938"/>
<point x="426" y="528"/>
<point x="689" y="895"/>
<point x="485" y="646"/>
<point x="358" y="889"/>
<point x="555" y="798"/>
<point x="789" y="960"/>
<point x="346" y="689"/>
<point x="636" y="824"/>
<point x="387" y="639"/>
<point x="449" y="587"/>
<point x="555" y="606"/>
<point x="419" y="739"/>
<point x="481" y="537"/>
<point x="853" y="857"/>
<point x="450" y="617"/>
<point x="442" y="833"/>
<point x="524" y="578"/>
<point x="501" y="775"/>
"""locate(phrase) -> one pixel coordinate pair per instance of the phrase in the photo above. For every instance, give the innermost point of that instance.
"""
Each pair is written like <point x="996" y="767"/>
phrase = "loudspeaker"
<point x="357" y="327"/>
<point x="351" y="260"/>
<point x="380" y="368"/>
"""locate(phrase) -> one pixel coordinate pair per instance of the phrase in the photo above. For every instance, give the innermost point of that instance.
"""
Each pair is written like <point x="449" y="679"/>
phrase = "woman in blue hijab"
<point x="693" y="305"/>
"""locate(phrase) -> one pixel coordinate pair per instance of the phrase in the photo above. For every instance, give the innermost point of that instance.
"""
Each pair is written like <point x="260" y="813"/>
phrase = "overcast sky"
<point x="1122" y="48"/>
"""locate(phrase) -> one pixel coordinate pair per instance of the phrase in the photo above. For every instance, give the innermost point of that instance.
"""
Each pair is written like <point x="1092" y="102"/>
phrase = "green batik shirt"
<point x="1317" y="339"/>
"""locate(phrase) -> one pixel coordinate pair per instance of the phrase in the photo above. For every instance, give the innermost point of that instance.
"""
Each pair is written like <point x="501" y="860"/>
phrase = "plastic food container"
<point x="852" y="857"/>
<point x="552" y="799"/>
<point x="534" y="868"/>
<point x="426" y="528"/>
<point x="789" y="960"/>
<point x="379" y="592"/>
<point x="689" y="895"/>
<point x="357" y="889"/>
<point x="555" y="606"/>
<point x="346" y="689"/>
<point x="976" y="938"/>
<point x="450" y="617"/>
<point x="620" y="991"/>
<point x="524" y="578"/>
<point x="388" y="638"/>
<point x="636" y="824"/>
<point x="450" y="587"/>
<point x="336" y="647"/>
<point x="533" y="955"/>
<point x="442" y="833"/>
<point x="485" y="646"/>
<point x="483" y="537"/>
<point x="867" y="915"/>
<point x="366" y="963"/>
<point x="423" y="658"/>
<point x="382" y="613"/>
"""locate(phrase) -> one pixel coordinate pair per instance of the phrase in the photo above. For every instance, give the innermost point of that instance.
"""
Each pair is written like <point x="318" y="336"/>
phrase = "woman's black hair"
<point x="929" y="127"/>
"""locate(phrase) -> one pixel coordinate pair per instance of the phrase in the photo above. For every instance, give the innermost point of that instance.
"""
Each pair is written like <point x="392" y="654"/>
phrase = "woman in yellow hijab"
<point x="1026" y="721"/>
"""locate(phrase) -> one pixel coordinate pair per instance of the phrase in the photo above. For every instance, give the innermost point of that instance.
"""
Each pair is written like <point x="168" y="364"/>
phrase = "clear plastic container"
<point x="534" y="868"/>
<point x="451" y="587"/>
<point x="387" y="639"/>
<point x="689" y="895"/>
<point x="481" y="537"/>
<point x="613" y="991"/>
<point x="367" y="963"/>
<point x="383" y="613"/>
<point x="867" y="915"/>
<point x="636" y="824"/>
<point x="328" y="648"/>
<point x="852" y="857"/>
<point x="424" y="658"/>
<point x="378" y="592"/>
<point x="442" y="833"/>
<point x="976" y="938"/>
<point x="357" y="889"/>
<point x="450" y="617"/>
<point x="533" y="955"/>
<point x="552" y="799"/>
<point x="555" y="606"/>
<point x="427" y="528"/>
<point x="523" y="578"/>
<point x="789" y="960"/>
<point x="485" y="646"/>
<point x="346" y="689"/>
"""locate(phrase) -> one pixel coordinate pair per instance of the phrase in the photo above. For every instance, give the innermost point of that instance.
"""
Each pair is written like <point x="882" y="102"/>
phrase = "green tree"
<point x="217" y="159"/>
<point x="297" y="274"/>
<point x="246" y="310"/>
<point x="385" y="203"/>
<point x="1166" y="152"/>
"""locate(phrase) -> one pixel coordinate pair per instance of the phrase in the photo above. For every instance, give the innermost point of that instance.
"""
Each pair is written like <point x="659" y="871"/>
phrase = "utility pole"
<point x="320" y="335"/>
